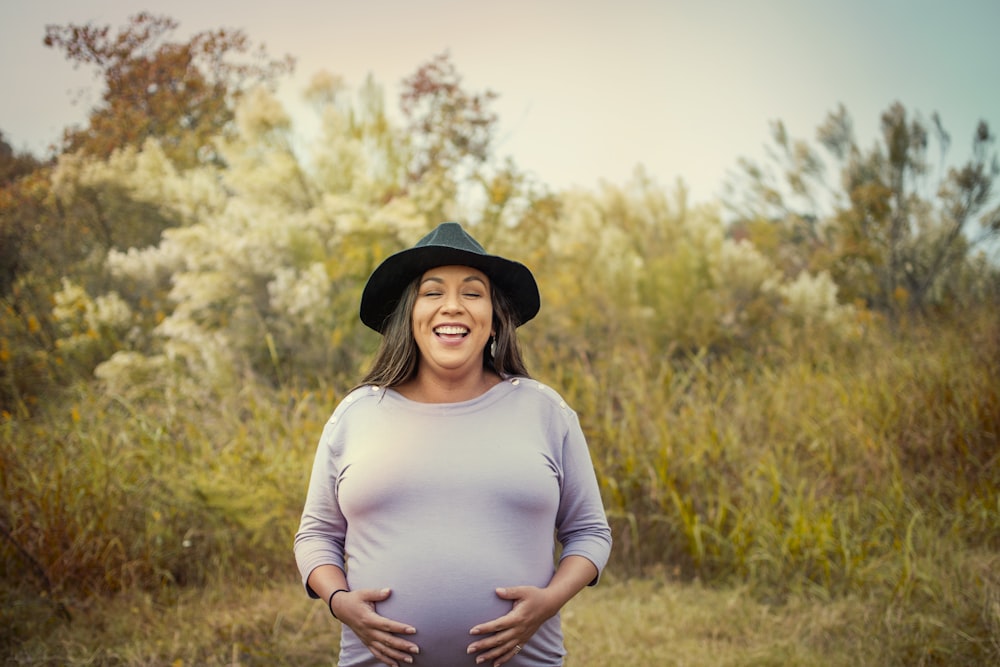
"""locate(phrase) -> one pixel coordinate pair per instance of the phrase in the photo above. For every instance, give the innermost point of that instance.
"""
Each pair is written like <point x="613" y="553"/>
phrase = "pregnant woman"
<point x="443" y="482"/>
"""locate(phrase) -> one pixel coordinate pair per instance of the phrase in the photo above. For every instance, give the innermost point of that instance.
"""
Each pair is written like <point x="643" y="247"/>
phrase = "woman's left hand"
<point x="509" y="633"/>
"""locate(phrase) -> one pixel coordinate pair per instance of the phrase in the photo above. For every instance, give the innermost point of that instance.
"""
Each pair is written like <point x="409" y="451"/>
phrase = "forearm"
<point x="326" y="579"/>
<point x="572" y="576"/>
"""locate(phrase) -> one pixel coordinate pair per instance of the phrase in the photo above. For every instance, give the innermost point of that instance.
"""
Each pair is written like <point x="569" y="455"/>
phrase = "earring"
<point x="493" y="346"/>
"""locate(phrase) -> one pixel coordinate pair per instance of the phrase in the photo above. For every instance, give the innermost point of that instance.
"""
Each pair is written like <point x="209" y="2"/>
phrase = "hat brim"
<point x="386" y="284"/>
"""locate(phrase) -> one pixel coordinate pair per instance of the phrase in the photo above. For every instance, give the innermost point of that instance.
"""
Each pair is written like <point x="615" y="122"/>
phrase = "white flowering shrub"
<point x="652" y="271"/>
<point x="147" y="175"/>
<point x="811" y="301"/>
<point x="264" y="274"/>
<point x="77" y="313"/>
<point x="263" y="270"/>
<point x="304" y="295"/>
<point x="134" y="376"/>
<point x="89" y="328"/>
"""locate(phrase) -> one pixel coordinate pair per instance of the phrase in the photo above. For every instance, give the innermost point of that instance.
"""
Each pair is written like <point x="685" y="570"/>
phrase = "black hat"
<point x="447" y="245"/>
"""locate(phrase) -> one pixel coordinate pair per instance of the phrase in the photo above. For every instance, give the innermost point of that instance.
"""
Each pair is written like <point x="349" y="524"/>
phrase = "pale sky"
<point x="588" y="90"/>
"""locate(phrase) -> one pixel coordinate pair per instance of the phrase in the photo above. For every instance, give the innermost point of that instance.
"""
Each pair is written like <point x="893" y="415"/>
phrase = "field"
<point x="791" y="395"/>
<point x="836" y="506"/>
<point x="627" y="622"/>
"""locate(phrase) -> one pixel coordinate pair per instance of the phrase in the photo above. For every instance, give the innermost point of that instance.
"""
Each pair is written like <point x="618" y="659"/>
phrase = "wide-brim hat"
<point x="447" y="245"/>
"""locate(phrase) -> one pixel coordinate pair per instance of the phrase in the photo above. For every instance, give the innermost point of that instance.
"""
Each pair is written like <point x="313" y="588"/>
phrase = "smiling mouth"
<point x="451" y="331"/>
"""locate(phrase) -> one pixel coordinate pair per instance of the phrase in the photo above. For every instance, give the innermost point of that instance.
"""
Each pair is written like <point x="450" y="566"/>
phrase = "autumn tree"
<point x="449" y="125"/>
<point x="450" y="132"/>
<point x="181" y="93"/>
<point x="60" y="221"/>
<point x="897" y="232"/>
<point x="14" y="166"/>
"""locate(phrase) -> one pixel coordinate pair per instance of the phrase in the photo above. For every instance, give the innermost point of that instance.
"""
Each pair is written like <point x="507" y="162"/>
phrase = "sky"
<point x="588" y="90"/>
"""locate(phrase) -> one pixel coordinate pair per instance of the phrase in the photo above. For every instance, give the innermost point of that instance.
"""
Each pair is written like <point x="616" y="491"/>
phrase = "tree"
<point x="14" y="166"/>
<point x="449" y="125"/>
<point x="888" y="238"/>
<point x="178" y="92"/>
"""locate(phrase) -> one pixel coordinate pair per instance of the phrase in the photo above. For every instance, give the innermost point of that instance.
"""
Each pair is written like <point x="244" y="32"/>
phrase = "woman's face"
<point x="452" y="319"/>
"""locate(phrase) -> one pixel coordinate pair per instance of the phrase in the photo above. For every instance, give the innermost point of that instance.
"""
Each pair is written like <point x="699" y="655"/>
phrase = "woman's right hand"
<point x="356" y="609"/>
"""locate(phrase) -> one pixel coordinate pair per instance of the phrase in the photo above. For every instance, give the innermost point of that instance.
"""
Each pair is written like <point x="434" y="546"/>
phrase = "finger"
<point x="377" y="622"/>
<point x="493" y="646"/>
<point x="374" y="594"/>
<point x="386" y="652"/>
<point x="501" y="654"/>
<point x="381" y="656"/>
<point x="492" y="627"/>
<point x="510" y="593"/>
<point x="389" y="626"/>
<point x="401" y="647"/>
<point x="514" y="651"/>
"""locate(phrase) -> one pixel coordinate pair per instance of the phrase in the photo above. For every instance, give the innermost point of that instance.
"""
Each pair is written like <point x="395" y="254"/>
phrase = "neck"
<point x="428" y="387"/>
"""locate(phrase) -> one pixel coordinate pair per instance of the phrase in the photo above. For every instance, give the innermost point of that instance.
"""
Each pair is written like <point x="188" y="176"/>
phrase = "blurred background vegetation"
<point x="792" y="393"/>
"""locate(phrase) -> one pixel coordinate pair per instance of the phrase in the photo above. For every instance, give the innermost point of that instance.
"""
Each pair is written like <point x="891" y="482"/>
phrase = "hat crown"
<point x="451" y="235"/>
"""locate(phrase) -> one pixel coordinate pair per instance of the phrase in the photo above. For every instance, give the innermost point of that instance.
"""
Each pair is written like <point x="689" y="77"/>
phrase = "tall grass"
<point x="796" y="470"/>
<point x="100" y="496"/>
<point x="865" y="471"/>
<point x="868" y="468"/>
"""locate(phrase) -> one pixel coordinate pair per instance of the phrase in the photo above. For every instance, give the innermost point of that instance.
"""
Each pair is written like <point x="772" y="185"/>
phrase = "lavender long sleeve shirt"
<point x="443" y="503"/>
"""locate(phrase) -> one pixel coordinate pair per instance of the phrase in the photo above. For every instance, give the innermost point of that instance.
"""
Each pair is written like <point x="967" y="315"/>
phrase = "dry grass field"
<point x="643" y="622"/>
<point x="826" y="509"/>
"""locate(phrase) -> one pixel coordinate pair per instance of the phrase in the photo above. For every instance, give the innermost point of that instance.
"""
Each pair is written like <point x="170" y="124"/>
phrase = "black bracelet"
<point x="329" y="601"/>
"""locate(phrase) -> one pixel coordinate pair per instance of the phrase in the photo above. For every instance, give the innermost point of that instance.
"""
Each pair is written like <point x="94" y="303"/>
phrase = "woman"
<point x="442" y="482"/>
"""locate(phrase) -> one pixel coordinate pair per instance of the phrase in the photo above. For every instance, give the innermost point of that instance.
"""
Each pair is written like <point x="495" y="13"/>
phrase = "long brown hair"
<point x="398" y="355"/>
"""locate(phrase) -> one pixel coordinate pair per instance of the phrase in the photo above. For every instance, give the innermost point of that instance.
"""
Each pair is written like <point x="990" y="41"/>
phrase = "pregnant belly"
<point x="444" y="595"/>
<point x="443" y="609"/>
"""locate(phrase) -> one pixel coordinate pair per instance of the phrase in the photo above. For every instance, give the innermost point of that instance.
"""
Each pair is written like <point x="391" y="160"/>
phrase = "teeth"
<point x="451" y="330"/>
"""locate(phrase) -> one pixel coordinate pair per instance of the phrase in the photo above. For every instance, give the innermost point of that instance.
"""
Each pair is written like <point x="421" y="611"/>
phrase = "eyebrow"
<point x="467" y="279"/>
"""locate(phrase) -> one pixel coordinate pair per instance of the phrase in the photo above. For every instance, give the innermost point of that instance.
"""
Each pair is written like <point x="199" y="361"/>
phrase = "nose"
<point x="453" y="301"/>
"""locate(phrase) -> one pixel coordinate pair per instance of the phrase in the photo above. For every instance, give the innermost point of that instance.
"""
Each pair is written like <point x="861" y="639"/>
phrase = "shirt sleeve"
<point x="581" y="524"/>
<point x="323" y="527"/>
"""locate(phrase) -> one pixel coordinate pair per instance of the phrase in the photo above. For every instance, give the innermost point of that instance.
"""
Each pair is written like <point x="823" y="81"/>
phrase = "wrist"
<point x="329" y="600"/>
